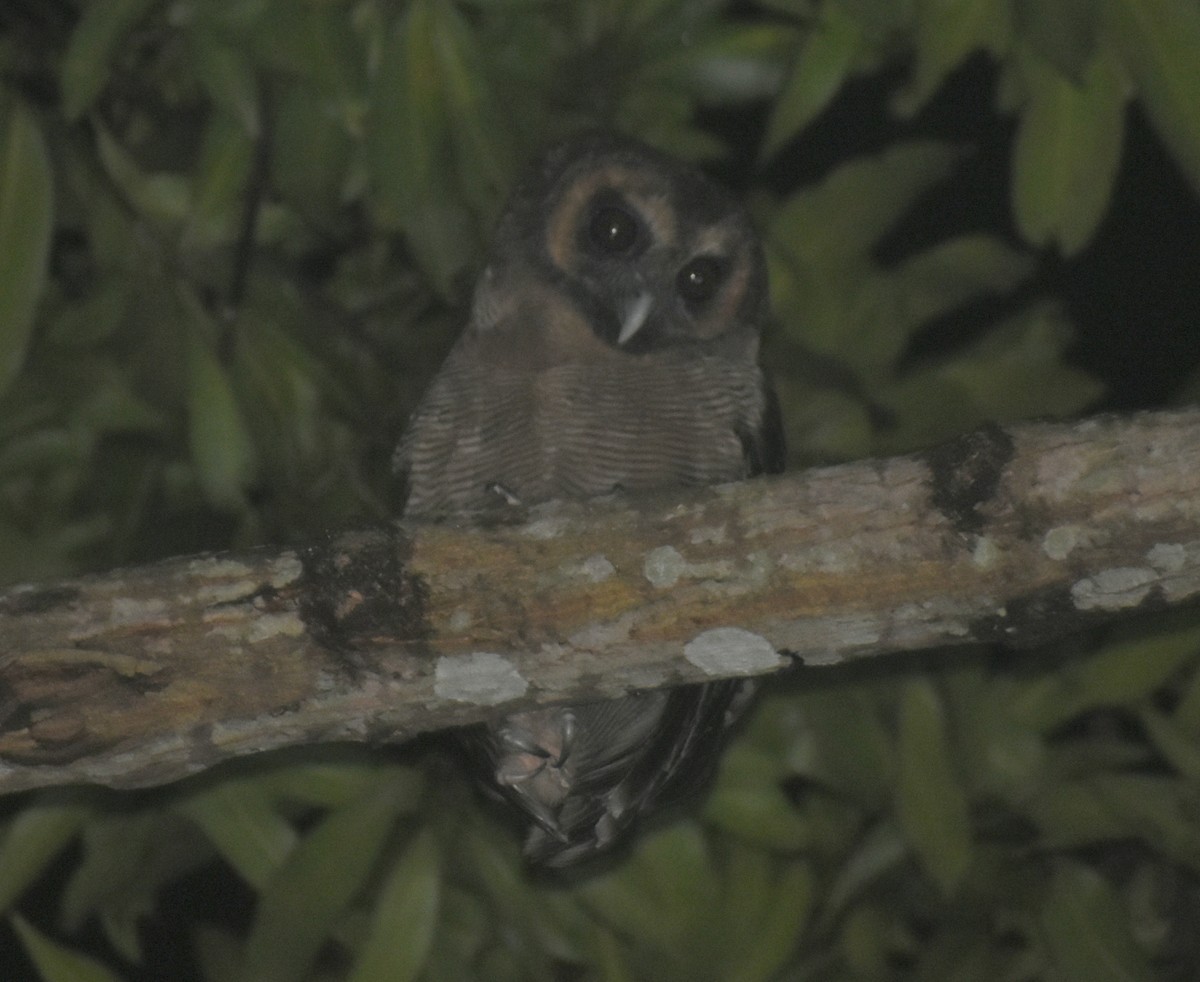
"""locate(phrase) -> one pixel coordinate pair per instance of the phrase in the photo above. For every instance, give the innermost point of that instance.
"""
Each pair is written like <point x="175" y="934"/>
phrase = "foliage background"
<point x="236" y="238"/>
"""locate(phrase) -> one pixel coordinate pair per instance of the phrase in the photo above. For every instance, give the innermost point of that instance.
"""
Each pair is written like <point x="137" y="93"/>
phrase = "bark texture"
<point x="1015" y="535"/>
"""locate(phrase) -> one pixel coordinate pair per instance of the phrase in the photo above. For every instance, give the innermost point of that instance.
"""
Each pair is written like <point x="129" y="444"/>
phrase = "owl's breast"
<point x="580" y="429"/>
<point x="648" y="426"/>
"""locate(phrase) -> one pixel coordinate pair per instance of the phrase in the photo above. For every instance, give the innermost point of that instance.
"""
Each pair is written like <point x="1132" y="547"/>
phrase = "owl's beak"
<point x="633" y="316"/>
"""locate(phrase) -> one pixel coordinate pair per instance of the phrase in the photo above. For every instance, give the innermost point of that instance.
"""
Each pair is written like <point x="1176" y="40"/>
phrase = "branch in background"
<point x="141" y="676"/>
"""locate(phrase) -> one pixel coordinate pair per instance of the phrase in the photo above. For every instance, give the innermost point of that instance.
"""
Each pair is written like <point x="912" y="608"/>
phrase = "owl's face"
<point x="649" y="253"/>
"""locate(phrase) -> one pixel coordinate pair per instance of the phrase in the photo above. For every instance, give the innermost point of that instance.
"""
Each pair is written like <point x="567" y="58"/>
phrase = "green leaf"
<point x="56" y="962"/>
<point x="746" y="886"/>
<point x="102" y="28"/>
<point x="1158" y="40"/>
<point x="849" y="747"/>
<point x="957" y="952"/>
<point x="1179" y="747"/>
<point x="405" y="916"/>
<point x="222" y="451"/>
<point x="483" y="151"/>
<point x="758" y="813"/>
<point x="164" y="198"/>
<point x="409" y="148"/>
<point x="675" y="866"/>
<point x="1014" y="371"/>
<point x="462" y="933"/>
<point x="655" y="897"/>
<point x="820" y="244"/>
<point x="1086" y="931"/>
<point x="1133" y="664"/>
<point x="1067" y="151"/>
<point x="217" y="952"/>
<point x="26" y="221"/>
<point x="930" y="802"/>
<point x="865" y="944"/>
<point x="791" y="8"/>
<point x="319" y="47"/>
<point x="882" y="21"/>
<point x="323" y="874"/>
<point x="1061" y="31"/>
<point x="94" y="318"/>
<point x="487" y="856"/>
<point x="1000" y="753"/>
<point x="880" y="850"/>
<point x="820" y="67"/>
<point x="228" y="77"/>
<point x="112" y="407"/>
<point x="39" y="448"/>
<point x="823" y="425"/>
<point x="946" y="276"/>
<point x="219" y="186"/>
<point x="609" y="959"/>
<point x="1161" y="811"/>
<point x="765" y="941"/>
<point x="729" y="64"/>
<point x="891" y="307"/>
<point x="847" y="214"/>
<point x="127" y="858"/>
<point x="311" y="155"/>
<point x="1187" y="709"/>
<point x="947" y="32"/>
<point x="34" y="837"/>
<point x="239" y="819"/>
<point x="1070" y="815"/>
<point x="341" y="777"/>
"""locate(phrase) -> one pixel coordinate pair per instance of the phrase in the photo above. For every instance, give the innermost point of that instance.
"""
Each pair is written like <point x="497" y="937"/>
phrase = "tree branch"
<point x="141" y="676"/>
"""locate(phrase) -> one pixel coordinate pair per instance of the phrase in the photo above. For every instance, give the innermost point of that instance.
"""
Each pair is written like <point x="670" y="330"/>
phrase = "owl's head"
<point x="649" y="252"/>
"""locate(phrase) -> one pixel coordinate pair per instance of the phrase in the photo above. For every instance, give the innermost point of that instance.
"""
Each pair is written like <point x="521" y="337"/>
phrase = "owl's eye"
<point x="700" y="279"/>
<point x="613" y="230"/>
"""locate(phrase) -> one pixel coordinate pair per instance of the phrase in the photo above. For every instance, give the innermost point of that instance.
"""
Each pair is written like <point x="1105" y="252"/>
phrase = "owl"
<point x="612" y="347"/>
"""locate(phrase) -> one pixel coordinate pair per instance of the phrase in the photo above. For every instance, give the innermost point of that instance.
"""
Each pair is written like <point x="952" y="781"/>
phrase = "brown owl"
<point x="612" y="346"/>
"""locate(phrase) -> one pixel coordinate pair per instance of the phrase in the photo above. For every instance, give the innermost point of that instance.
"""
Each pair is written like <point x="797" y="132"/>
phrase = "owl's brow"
<point x="714" y="240"/>
<point x="728" y="301"/>
<point x="652" y="207"/>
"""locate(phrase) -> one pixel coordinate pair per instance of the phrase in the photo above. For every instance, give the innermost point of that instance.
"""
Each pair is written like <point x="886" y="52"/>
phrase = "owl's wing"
<point x="693" y="727"/>
<point x="461" y="438"/>
<point x="763" y="448"/>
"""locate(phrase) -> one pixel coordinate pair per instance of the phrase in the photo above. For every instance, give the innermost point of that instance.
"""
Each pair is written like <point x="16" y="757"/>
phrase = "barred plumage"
<point x="613" y="346"/>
